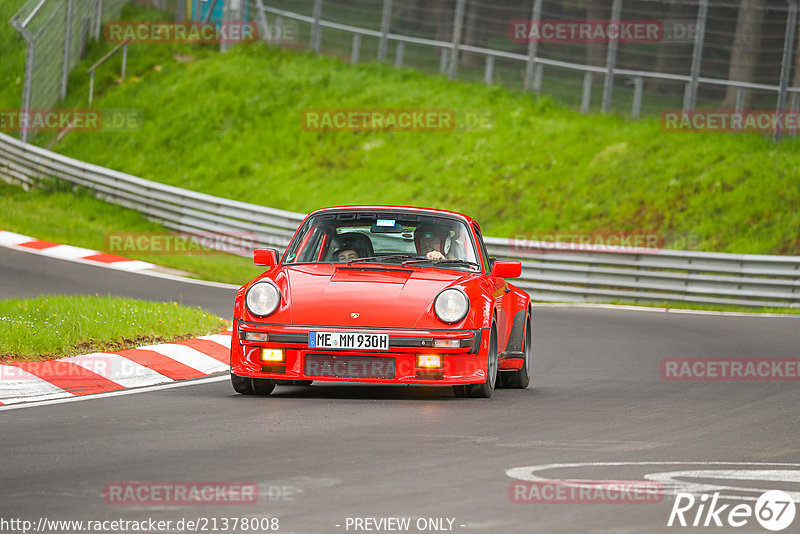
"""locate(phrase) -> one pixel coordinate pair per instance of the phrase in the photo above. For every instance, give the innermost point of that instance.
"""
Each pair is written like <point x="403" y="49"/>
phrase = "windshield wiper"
<point x="368" y="258"/>
<point x="448" y="261"/>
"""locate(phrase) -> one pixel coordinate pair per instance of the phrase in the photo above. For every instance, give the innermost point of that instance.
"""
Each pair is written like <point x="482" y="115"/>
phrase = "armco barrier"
<point x="591" y="274"/>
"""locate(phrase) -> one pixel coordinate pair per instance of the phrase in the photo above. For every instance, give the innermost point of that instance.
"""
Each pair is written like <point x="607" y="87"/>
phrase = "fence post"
<point x="533" y="46"/>
<point x="355" y="50"/>
<point x="99" y="15"/>
<point x="263" y="27"/>
<point x="443" y="55"/>
<point x="458" y="28"/>
<point x="611" y="59"/>
<point x="488" y="70"/>
<point x="537" y="79"/>
<point x="316" y="29"/>
<point x="586" y="95"/>
<point x="741" y="94"/>
<point x="786" y="63"/>
<point x="67" y="45"/>
<point x="690" y="95"/>
<point x="637" y="97"/>
<point x="386" y="18"/>
<point x="27" y="90"/>
<point x="398" y="54"/>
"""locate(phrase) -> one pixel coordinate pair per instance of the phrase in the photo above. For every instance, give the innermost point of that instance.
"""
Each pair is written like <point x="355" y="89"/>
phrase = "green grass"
<point x="230" y="125"/>
<point x="12" y="57"/>
<point x="53" y="326"/>
<point x="77" y="218"/>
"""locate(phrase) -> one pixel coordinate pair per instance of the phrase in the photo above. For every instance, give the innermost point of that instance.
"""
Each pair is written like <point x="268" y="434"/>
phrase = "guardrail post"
<point x="637" y="97"/>
<point x="533" y="46"/>
<point x="443" y="56"/>
<point x="91" y="87"/>
<point x="355" y="49"/>
<point x="488" y="71"/>
<point x="458" y="28"/>
<point x="67" y="45"/>
<point x="316" y="29"/>
<point x="586" y="94"/>
<point x="386" y="18"/>
<point x="786" y="63"/>
<point x="690" y="95"/>
<point x="398" y="54"/>
<point x="611" y="59"/>
<point x="279" y="30"/>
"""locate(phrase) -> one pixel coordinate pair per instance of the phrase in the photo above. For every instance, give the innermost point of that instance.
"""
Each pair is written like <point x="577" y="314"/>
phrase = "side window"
<point x="485" y="254"/>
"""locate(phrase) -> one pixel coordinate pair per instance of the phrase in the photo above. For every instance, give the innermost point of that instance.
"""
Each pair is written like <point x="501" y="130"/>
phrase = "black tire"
<point x="297" y="383"/>
<point x="521" y="378"/>
<point x="252" y="386"/>
<point x="485" y="390"/>
<point x="460" y="391"/>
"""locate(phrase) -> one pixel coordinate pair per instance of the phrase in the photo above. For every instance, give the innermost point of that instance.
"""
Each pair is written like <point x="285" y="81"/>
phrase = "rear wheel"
<point x="521" y="378"/>
<point x="252" y="386"/>
<point x="485" y="390"/>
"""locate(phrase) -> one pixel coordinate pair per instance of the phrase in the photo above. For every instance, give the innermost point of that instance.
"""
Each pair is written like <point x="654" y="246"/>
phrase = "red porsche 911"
<point x="383" y="295"/>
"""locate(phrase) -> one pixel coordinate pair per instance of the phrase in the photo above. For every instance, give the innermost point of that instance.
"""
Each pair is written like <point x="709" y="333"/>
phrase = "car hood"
<point x="381" y="296"/>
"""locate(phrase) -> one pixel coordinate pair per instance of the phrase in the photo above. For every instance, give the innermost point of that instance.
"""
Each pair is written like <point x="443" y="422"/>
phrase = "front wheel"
<point x="485" y="390"/>
<point x="252" y="386"/>
<point x="521" y="378"/>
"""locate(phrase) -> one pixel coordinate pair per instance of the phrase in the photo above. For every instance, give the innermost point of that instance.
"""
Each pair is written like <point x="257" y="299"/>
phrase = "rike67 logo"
<point x="774" y="510"/>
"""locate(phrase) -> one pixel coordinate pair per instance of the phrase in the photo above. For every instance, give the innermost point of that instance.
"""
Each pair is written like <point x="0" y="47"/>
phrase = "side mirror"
<point x="506" y="269"/>
<point x="267" y="257"/>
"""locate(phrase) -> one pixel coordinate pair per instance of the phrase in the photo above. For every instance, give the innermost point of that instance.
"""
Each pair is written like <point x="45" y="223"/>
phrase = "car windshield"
<point x="385" y="237"/>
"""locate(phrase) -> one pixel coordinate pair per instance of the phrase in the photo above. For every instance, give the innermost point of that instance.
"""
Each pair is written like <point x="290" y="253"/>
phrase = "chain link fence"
<point x="725" y="54"/>
<point x="56" y="33"/>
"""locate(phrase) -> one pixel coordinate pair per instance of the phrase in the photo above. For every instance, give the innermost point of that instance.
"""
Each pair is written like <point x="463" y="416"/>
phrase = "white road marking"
<point x="119" y="393"/>
<point x="671" y="485"/>
<point x="67" y="252"/>
<point x="224" y="340"/>
<point x="19" y="385"/>
<point x="10" y="239"/>
<point x="190" y="357"/>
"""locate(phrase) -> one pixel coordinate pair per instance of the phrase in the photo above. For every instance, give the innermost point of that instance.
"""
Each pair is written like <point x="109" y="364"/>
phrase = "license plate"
<point x="349" y="366"/>
<point x="348" y="341"/>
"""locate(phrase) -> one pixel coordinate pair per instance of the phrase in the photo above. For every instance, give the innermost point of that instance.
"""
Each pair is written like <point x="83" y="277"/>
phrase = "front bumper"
<point x="465" y="364"/>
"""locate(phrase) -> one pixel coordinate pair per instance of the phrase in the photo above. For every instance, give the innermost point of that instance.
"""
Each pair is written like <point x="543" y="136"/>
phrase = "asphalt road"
<point x="326" y="453"/>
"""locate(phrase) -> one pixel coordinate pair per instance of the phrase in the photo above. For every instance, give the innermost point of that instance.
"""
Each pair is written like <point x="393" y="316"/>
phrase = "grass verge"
<point x="54" y="326"/>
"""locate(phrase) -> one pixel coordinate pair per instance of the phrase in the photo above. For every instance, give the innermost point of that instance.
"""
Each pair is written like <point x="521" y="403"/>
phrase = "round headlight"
<point x="451" y="305"/>
<point x="262" y="298"/>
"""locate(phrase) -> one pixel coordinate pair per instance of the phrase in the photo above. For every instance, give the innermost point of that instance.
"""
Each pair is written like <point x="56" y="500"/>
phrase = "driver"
<point x="430" y="239"/>
<point x="345" y="254"/>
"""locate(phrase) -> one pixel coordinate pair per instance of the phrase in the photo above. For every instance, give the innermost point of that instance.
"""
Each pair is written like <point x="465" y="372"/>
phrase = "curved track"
<point x="404" y="451"/>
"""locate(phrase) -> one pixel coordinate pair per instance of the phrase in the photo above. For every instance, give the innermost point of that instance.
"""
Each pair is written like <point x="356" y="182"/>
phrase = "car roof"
<point x="428" y="211"/>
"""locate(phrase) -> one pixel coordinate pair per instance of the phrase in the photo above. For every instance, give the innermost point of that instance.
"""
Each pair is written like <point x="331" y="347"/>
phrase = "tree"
<point x="746" y="47"/>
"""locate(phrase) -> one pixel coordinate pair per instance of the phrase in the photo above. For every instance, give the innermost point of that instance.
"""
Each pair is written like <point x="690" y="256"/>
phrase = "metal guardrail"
<point x="549" y="272"/>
